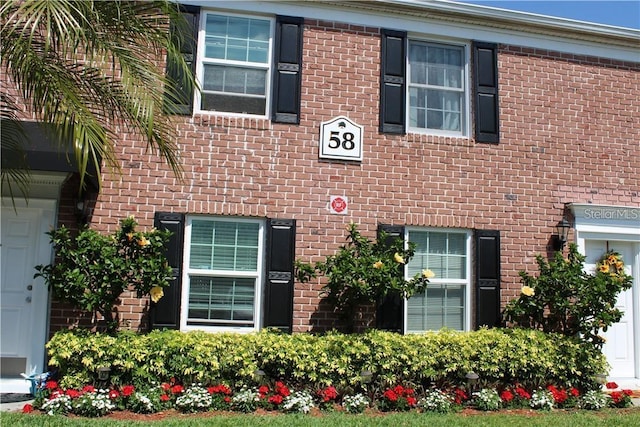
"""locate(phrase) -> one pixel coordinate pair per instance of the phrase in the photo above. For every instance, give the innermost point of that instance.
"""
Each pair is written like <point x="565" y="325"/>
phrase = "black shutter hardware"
<point x="287" y="74"/>
<point x="393" y="82"/>
<point x="281" y="248"/>
<point x="390" y="311"/>
<point x="166" y="312"/>
<point x="487" y="261"/>
<point x="487" y="121"/>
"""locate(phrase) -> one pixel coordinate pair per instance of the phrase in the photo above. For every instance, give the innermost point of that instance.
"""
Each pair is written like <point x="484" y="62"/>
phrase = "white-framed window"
<point x="234" y="65"/>
<point x="223" y="274"/>
<point x="437" y="97"/>
<point x="446" y="301"/>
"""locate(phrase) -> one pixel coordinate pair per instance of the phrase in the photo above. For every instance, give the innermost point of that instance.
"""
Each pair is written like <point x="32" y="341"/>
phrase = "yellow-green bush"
<point x="498" y="356"/>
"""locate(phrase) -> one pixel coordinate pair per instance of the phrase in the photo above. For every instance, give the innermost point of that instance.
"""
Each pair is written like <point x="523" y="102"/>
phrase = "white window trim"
<point x="466" y="81"/>
<point x="468" y="282"/>
<point x="200" y="61"/>
<point x="187" y="272"/>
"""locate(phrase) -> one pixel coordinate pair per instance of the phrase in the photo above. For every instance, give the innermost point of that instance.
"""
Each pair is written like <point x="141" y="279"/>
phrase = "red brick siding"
<point x="569" y="133"/>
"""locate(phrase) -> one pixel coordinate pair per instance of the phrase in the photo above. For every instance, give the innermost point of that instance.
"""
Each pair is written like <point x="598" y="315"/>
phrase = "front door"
<point x="23" y="299"/>
<point x="620" y="347"/>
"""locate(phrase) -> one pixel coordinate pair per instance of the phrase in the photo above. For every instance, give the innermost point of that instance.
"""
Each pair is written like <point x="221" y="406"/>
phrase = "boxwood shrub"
<point x="500" y="357"/>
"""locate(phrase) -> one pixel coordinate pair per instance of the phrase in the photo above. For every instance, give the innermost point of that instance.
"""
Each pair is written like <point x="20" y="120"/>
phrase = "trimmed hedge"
<point x="501" y="357"/>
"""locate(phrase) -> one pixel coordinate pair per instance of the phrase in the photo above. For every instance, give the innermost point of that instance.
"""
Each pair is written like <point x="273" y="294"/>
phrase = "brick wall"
<point x="569" y="133"/>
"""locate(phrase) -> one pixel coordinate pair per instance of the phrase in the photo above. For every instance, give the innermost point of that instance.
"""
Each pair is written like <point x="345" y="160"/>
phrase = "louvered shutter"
<point x="281" y="244"/>
<point x="393" y="82"/>
<point x="487" y="121"/>
<point x="487" y="243"/>
<point x="166" y="312"/>
<point x="287" y="74"/>
<point x="390" y="311"/>
<point x="186" y="33"/>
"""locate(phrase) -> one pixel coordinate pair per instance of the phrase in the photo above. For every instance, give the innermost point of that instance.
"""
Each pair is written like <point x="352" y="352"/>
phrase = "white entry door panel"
<point x="23" y="299"/>
<point x="620" y="345"/>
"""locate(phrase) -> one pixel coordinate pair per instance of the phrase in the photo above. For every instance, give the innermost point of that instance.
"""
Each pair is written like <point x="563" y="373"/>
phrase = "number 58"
<point x="347" y="142"/>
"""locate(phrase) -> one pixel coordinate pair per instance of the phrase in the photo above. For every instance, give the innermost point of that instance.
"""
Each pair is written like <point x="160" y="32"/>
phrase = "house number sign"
<point x="341" y="139"/>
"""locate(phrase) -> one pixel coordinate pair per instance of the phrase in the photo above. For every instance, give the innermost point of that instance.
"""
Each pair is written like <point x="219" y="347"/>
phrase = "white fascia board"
<point x="550" y="36"/>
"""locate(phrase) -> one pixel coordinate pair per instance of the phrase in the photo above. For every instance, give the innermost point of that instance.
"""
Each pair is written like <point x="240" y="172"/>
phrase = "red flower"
<point x="219" y="389"/>
<point x="459" y="396"/>
<point x="227" y="399"/>
<point x="391" y="395"/>
<point x="522" y="393"/>
<point x="74" y="394"/>
<point x="113" y="394"/>
<point x="27" y="408"/>
<point x="128" y="390"/>
<point x="88" y="389"/>
<point x="276" y="399"/>
<point x="574" y="392"/>
<point x="559" y="396"/>
<point x="399" y="390"/>
<point x="177" y="389"/>
<point x="164" y="398"/>
<point x="408" y="392"/>
<point x="328" y="394"/>
<point x="506" y="396"/>
<point x="282" y="389"/>
<point x="263" y="390"/>
<point x="165" y="386"/>
<point x="411" y="401"/>
<point x="616" y="396"/>
<point x="627" y="392"/>
<point x="611" y="385"/>
<point x="51" y="385"/>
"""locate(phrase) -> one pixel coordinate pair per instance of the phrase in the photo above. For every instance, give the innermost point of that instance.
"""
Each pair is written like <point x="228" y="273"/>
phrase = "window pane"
<point x="222" y="299"/>
<point x="224" y="245"/>
<point x="235" y="80"/>
<point x="237" y="38"/>
<point x="440" y="306"/>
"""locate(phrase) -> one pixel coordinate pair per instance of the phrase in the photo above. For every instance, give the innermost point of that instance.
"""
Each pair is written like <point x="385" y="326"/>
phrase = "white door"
<point x="23" y="299"/>
<point x="620" y="347"/>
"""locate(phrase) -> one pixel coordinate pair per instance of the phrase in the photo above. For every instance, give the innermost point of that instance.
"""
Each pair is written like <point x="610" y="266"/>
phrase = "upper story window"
<point x="436" y="87"/>
<point x="427" y="87"/>
<point x="235" y="64"/>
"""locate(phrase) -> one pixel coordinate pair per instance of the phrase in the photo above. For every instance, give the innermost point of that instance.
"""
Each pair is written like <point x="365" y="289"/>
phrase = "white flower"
<point x="542" y="399"/>
<point x="298" y="401"/>
<point x="355" y="404"/>
<point x="435" y="401"/>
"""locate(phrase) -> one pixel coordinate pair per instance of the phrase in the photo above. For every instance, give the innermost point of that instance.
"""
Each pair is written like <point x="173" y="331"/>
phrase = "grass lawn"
<point x="617" y="418"/>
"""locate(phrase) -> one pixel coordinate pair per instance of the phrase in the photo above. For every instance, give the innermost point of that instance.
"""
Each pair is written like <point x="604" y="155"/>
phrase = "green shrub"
<point x="92" y="270"/>
<point x="442" y="359"/>
<point x="565" y="299"/>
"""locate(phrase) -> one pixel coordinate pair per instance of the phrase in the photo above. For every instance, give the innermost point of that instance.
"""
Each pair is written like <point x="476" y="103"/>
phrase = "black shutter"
<point x="281" y="248"/>
<point x="186" y="34"/>
<point x="487" y="260"/>
<point x="390" y="311"/>
<point x="166" y="312"/>
<point x="487" y="121"/>
<point x="392" y="81"/>
<point x="287" y="75"/>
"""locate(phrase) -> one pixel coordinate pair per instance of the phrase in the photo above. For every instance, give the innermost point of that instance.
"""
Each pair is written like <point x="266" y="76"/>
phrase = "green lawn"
<point x="613" y="418"/>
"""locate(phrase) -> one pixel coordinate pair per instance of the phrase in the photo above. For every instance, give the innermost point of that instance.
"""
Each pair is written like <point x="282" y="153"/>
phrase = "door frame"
<point x="613" y="223"/>
<point x="40" y="295"/>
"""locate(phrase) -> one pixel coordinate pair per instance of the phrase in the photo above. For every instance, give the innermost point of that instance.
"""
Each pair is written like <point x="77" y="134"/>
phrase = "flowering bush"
<point x="567" y="300"/>
<point x="542" y="399"/>
<point x="92" y="270"/>
<point x="93" y="404"/>
<point x="436" y="401"/>
<point x="355" y="404"/>
<point x="273" y="398"/>
<point x="487" y="400"/>
<point x="195" y="398"/>
<point x="327" y="396"/>
<point x="398" y="398"/>
<point x="245" y="400"/>
<point x="363" y="272"/>
<point x="220" y="397"/>
<point x="593" y="400"/>
<point x="58" y="404"/>
<point x="618" y="398"/>
<point x="298" y="401"/>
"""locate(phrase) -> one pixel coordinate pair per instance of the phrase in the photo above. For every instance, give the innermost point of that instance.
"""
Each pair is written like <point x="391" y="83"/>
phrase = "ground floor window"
<point x="222" y="281"/>
<point x="446" y="301"/>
